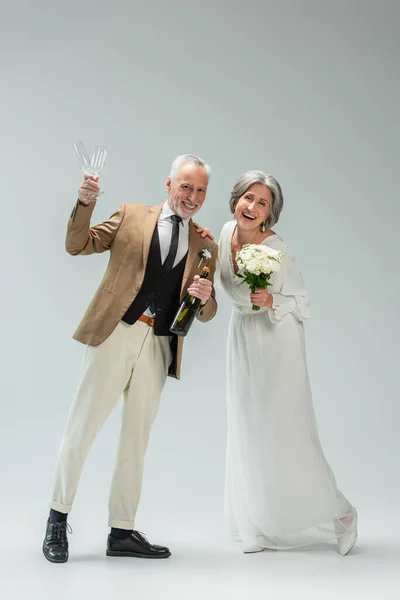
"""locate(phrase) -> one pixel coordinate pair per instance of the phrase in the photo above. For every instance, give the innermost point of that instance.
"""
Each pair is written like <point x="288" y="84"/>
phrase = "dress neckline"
<point x="230" y="249"/>
<point x="234" y="229"/>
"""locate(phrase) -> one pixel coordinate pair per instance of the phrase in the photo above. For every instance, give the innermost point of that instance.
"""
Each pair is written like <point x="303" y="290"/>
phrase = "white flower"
<point x="259" y="259"/>
<point x="205" y="252"/>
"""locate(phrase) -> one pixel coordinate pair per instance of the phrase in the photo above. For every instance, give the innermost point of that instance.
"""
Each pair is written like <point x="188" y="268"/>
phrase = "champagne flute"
<point x="98" y="159"/>
<point x="91" y="166"/>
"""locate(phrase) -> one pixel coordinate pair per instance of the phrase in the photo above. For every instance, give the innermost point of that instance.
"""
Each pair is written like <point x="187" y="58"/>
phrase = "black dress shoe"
<point x="55" y="543"/>
<point x="137" y="545"/>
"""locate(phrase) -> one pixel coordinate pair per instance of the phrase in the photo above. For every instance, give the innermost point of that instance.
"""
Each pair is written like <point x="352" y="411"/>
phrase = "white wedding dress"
<point x="280" y="491"/>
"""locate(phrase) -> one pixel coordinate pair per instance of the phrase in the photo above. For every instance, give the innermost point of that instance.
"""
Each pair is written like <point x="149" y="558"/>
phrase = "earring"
<point x="264" y="227"/>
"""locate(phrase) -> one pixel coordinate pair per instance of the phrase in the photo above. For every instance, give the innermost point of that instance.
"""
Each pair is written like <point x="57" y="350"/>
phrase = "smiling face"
<point x="187" y="191"/>
<point x="253" y="207"/>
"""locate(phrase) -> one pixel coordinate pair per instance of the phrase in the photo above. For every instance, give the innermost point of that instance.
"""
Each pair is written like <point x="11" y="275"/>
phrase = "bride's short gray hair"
<point x="252" y="177"/>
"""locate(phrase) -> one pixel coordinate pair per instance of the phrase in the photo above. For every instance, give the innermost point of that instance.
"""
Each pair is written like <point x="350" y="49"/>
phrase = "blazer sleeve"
<point x="83" y="239"/>
<point x="209" y="310"/>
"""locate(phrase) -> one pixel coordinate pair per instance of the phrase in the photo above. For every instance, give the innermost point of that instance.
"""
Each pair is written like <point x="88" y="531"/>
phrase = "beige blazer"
<point x="127" y="235"/>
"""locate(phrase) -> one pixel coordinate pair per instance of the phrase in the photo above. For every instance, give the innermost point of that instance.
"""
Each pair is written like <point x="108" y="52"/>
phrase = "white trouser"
<point x="132" y="361"/>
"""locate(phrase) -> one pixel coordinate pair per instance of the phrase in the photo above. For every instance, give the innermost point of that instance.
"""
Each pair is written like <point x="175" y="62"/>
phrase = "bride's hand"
<point x="203" y="231"/>
<point x="262" y="297"/>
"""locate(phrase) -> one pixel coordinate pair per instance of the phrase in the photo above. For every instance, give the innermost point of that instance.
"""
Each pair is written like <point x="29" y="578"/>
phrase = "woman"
<point x="280" y="491"/>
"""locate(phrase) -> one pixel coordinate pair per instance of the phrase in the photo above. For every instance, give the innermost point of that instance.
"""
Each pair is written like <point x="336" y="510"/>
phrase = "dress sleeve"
<point x="288" y="291"/>
<point x="222" y="250"/>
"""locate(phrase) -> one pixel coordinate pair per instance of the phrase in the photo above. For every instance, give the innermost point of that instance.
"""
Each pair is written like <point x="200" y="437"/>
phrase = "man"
<point x="154" y="262"/>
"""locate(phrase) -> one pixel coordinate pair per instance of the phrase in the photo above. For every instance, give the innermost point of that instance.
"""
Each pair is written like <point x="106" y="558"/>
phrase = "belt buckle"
<point x="148" y="320"/>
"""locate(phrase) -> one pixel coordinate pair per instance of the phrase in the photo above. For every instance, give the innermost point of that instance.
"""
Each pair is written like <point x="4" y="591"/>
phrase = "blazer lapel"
<point x="192" y="255"/>
<point x="149" y="226"/>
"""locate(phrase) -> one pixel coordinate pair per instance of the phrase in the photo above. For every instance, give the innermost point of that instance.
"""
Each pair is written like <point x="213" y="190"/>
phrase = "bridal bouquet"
<point x="256" y="264"/>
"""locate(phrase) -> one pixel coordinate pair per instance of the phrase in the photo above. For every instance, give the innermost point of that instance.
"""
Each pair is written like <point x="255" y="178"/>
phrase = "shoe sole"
<point x="54" y="560"/>
<point x="135" y="554"/>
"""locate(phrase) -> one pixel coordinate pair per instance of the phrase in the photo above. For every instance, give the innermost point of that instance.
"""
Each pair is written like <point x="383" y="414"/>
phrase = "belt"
<point x="148" y="320"/>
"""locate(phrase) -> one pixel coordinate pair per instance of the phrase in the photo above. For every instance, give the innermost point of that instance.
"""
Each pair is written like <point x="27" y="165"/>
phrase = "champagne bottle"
<point x="187" y="310"/>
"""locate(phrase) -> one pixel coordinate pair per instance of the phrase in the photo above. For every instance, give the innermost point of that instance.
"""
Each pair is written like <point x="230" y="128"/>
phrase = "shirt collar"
<point x="168" y="212"/>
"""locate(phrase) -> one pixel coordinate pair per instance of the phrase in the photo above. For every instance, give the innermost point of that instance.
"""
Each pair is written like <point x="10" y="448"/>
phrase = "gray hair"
<point x="188" y="158"/>
<point x="253" y="177"/>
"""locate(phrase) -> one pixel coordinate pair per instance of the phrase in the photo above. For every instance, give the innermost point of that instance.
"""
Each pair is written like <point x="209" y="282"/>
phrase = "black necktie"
<point x="173" y="248"/>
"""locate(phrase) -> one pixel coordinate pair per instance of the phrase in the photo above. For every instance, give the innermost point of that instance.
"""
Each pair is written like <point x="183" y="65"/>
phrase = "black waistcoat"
<point x="162" y="289"/>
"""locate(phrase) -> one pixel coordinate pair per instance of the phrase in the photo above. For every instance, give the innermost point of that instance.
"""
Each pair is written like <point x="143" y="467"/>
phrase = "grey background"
<point x="307" y="90"/>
